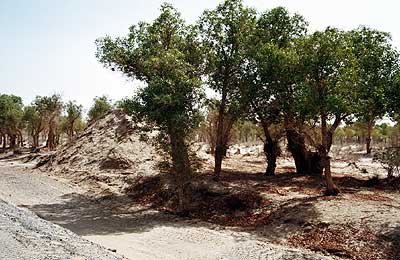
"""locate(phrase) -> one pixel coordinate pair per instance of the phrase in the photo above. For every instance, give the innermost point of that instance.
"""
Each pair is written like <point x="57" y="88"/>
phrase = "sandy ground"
<point x="136" y="233"/>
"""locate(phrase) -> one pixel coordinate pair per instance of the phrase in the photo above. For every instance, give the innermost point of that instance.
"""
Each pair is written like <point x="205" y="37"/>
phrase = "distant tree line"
<point x="46" y="119"/>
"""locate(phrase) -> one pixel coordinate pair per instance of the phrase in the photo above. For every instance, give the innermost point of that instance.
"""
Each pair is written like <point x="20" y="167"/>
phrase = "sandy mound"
<point x="25" y="236"/>
<point x="109" y="154"/>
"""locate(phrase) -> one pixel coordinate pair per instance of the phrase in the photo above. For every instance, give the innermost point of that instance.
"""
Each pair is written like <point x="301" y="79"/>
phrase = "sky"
<point x="47" y="46"/>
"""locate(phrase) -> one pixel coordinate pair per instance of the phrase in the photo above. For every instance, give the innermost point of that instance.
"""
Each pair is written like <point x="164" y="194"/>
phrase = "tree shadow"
<point x="300" y="182"/>
<point x="288" y="218"/>
<point x="121" y="214"/>
<point x="262" y="183"/>
<point x="99" y="216"/>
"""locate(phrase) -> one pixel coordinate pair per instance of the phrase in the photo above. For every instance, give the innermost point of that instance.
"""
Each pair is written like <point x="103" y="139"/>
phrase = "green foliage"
<point x="48" y="106"/>
<point x="226" y="34"/>
<point x="392" y="97"/>
<point x="74" y="111"/>
<point x="278" y="27"/>
<point x="330" y="75"/>
<point x="49" y="109"/>
<point x="273" y="65"/>
<point x="32" y="118"/>
<point x="377" y="61"/>
<point x="11" y="113"/>
<point x="166" y="55"/>
<point x="72" y="122"/>
<point x="102" y="105"/>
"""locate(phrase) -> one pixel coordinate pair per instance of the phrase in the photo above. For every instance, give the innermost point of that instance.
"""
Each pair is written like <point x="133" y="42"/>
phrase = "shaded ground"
<point x="290" y="209"/>
<point x="132" y="230"/>
<point x="361" y="223"/>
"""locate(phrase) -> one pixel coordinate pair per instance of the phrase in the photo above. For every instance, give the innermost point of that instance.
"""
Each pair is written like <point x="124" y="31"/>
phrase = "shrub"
<point x="390" y="160"/>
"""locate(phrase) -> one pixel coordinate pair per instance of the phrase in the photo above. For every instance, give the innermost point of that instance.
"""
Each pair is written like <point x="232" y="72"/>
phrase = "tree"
<point x="34" y="124"/>
<point x="165" y="55"/>
<point x="330" y="78"/>
<point x="271" y="74"/>
<point x="10" y="120"/>
<point x="74" y="115"/>
<point x="225" y="32"/>
<point x="377" y="60"/>
<point x="102" y="105"/>
<point x="50" y="110"/>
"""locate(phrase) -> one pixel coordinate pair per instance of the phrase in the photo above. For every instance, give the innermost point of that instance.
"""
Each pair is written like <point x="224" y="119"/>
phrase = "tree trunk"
<point x="307" y="162"/>
<point x="181" y="169"/>
<point x="70" y="134"/>
<point x="220" y="147"/>
<point x="368" y="139"/>
<point x="20" y="139"/>
<point x="3" y="142"/>
<point x="51" y="140"/>
<point x="296" y="146"/>
<point x="13" y="141"/>
<point x="331" y="188"/>
<point x="323" y="150"/>
<point x="271" y="150"/>
<point x="35" y="138"/>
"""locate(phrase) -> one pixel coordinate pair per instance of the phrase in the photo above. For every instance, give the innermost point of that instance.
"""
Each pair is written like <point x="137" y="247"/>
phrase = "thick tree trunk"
<point x="307" y="162"/>
<point x="368" y="139"/>
<point x="296" y="146"/>
<point x="181" y="169"/>
<point x="271" y="150"/>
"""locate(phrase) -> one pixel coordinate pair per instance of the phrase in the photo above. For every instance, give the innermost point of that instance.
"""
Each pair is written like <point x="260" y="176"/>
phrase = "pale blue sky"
<point x="47" y="46"/>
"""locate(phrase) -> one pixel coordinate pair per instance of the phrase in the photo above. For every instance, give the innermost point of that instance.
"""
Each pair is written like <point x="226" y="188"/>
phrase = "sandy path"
<point x="136" y="233"/>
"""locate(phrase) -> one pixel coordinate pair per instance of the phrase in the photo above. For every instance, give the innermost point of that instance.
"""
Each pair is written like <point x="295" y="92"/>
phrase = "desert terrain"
<point x="115" y="197"/>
